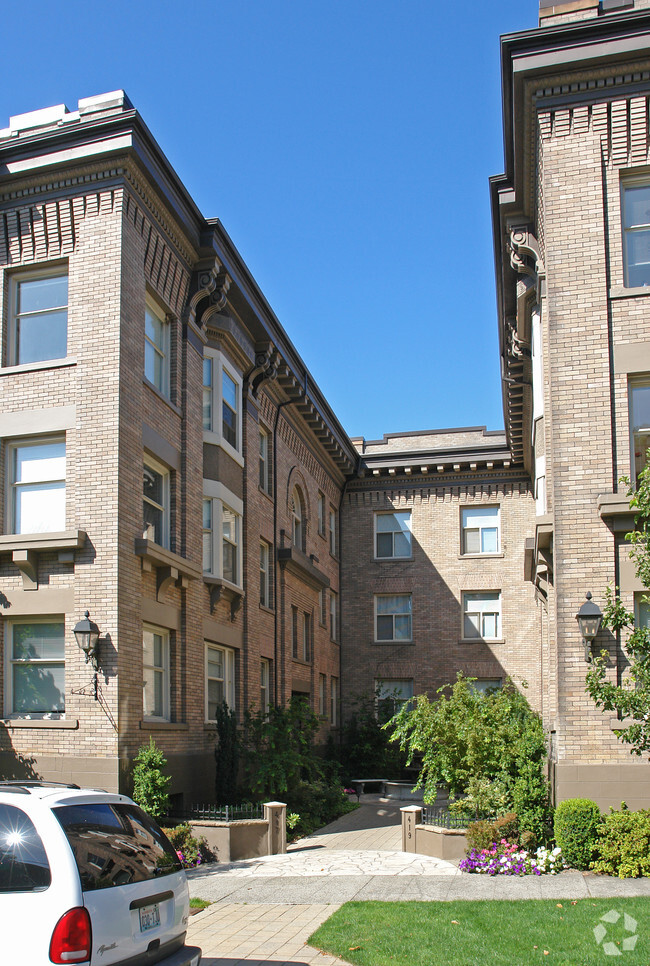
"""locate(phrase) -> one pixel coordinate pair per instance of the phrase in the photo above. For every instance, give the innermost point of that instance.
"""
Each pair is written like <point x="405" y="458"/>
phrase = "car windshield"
<point x="23" y="863"/>
<point x="115" y="844"/>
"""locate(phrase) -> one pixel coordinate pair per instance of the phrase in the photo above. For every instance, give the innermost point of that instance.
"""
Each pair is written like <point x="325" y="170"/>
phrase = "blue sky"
<point x="346" y="146"/>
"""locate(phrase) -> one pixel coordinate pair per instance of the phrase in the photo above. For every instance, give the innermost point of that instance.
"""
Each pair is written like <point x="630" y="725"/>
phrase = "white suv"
<point x="87" y="877"/>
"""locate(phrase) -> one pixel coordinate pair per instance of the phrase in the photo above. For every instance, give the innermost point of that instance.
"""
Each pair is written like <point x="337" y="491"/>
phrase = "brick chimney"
<point x="553" y="12"/>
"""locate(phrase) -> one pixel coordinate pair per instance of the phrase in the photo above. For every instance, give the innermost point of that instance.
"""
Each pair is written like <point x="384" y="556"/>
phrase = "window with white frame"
<point x="639" y="398"/>
<point x="481" y="529"/>
<point x="155" y="673"/>
<point x="485" y="685"/>
<point x="222" y="533"/>
<point x="322" y="695"/>
<point x="295" y="650"/>
<point x="219" y="679"/>
<point x="265" y="461"/>
<point x="636" y="233"/>
<point x="266" y="557"/>
<point x="265" y="685"/>
<point x="222" y="403"/>
<point x="393" y="617"/>
<point x="35" y="678"/>
<point x="306" y="637"/>
<point x="333" y="526"/>
<point x="321" y="514"/>
<point x="36" y="488"/>
<point x="334" y="621"/>
<point x="391" y="694"/>
<point x="155" y="502"/>
<point x="38" y="317"/>
<point x="298" y="521"/>
<point x="156" y="348"/>
<point x="482" y="615"/>
<point x="393" y="534"/>
<point x="334" y="702"/>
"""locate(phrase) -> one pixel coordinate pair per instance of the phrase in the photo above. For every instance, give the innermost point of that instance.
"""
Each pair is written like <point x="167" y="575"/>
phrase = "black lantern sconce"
<point x="87" y="635"/>
<point x="589" y="618"/>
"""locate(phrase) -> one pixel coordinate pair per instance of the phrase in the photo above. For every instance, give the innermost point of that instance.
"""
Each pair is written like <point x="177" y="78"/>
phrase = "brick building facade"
<point x="169" y="464"/>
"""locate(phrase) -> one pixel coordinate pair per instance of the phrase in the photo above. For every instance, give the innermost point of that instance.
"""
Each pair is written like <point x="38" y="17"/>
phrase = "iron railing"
<point x="221" y="813"/>
<point x="444" y="818"/>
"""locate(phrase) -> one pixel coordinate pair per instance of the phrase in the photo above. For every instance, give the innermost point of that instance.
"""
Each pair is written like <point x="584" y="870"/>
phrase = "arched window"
<point x="297" y="519"/>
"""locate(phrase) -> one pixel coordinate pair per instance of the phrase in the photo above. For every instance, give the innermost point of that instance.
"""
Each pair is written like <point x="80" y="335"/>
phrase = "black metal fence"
<point x="444" y="818"/>
<point x="221" y="813"/>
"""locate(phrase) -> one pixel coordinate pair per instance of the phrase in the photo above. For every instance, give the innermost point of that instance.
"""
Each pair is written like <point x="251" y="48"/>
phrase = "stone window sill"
<point x="26" y="547"/>
<point x="151" y="725"/>
<point x="64" y="724"/>
<point x="482" y="640"/>
<point x="171" y="568"/>
<point x="38" y="366"/>
<point x="621" y="292"/>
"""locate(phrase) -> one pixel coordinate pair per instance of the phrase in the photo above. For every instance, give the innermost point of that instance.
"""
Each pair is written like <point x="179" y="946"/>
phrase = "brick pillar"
<point x="275" y="814"/>
<point x="411" y="816"/>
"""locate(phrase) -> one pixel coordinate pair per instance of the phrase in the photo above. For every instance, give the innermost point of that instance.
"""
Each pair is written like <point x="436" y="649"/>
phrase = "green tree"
<point x="278" y="748"/>
<point x="149" y="783"/>
<point x="631" y="697"/>
<point x="226" y="755"/>
<point x="490" y="749"/>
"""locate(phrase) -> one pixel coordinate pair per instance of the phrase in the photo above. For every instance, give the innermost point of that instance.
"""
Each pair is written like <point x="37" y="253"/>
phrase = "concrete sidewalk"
<point x="265" y="909"/>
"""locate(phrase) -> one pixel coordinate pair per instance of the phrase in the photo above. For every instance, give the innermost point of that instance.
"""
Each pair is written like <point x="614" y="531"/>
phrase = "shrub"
<point x="623" y="848"/>
<point x="226" y="755"/>
<point x="316" y="804"/>
<point x="577" y="826"/>
<point x="364" y="746"/>
<point x="192" y="851"/>
<point x="277" y="750"/>
<point x="484" y="833"/>
<point x="149" y="783"/>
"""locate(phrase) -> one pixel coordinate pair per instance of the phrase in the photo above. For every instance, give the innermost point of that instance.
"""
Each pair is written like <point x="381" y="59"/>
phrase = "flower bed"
<point x="503" y="858"/>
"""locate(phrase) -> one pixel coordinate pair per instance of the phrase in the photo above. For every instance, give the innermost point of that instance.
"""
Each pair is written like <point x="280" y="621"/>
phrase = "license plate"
<point x="149" y="917"/>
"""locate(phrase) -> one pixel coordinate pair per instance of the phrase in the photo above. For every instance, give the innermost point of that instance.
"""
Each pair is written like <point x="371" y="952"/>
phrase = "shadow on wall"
<point x="12" y="764"/>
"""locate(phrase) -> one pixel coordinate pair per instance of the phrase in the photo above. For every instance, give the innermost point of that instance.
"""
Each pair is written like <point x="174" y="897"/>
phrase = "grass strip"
<point x="522" y="932"/>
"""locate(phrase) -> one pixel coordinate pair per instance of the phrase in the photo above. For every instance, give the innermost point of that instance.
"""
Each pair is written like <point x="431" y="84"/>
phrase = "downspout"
<point x="244" y="541"/>
<point x="345" y="486"/>
<point x="276" y="595"/>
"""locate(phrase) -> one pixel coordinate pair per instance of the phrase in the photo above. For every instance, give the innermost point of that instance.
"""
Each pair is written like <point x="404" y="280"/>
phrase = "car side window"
<point x="24" y="866"/>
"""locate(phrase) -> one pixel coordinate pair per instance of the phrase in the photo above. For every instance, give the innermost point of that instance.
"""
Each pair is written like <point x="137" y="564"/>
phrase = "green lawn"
<point x="503" y="933"/>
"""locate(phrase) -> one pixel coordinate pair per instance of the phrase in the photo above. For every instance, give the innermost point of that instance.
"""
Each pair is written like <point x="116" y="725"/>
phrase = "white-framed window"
<point x="639" y="400"/>
<point x="306" y="637"/>
<point x="322" y="695"/>
<point x="486" y="685"/>
<point x="38" y="317"/>
<point x="322" y="607"/>
<point x="36" y="488"/>
<point x="219" y="679"/>
<point x="393" y="534"/>
<point x="155" y="673"/>
<point x="333" y="528"/>
<point x="265" y="461"/>
<point x="222" y="404"/>
<point x="155" y="501"/>
<point x="321" y="514"/>
<point x="636" y="233"/>
<point x="295" y="648"/>
<point x="35" y="667"/>
<point x="334" y="620"/>
<point x="480" y="529"/>
<point x="266" y="579"/>
<point x="265" y="685"/>
<point x="393" y="617"/>
<point x="156" y="347"/>
<point x="482" y="615"/>
<point x="222" y="533"/>
<point x="391" y="694"/>
<point x="334" y="702"/>
<point x="298" y="521"/>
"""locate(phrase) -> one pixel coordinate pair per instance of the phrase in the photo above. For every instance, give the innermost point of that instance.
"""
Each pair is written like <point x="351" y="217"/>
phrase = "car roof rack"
<point x="24" y="787"/>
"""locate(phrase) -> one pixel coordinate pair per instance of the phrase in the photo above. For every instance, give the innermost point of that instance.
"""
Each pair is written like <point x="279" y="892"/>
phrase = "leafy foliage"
<point x="192" y="851"/>
<point x="577" y="825"/>
<point x="316" y="804"/>
<point x="489" y="748"/>
<point x="623" y="847"/>
<point x="278" y="749"/>
<point x="365" y="747"/>
<point x="631" y="698"/>
<point x="226" y="754"/>
<point x="149" y="783"/>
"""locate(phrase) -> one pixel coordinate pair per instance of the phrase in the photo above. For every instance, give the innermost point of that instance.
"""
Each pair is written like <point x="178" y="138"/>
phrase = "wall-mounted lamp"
<point x="589" y="617"/>
<point x="87" y="635"/>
